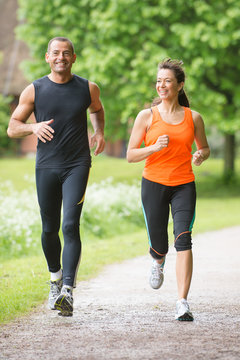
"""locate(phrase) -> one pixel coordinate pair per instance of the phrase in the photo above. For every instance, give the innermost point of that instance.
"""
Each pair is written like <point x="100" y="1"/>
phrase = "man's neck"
<point x="60" y="78"/>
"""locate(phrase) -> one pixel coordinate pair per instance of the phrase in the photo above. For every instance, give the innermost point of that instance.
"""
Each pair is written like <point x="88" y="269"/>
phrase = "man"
<point x="60" y="101"/>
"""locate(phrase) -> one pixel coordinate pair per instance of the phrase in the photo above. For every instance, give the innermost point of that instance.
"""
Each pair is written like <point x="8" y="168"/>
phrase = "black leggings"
<point x="54" y="187"/>
<point x="156" y="201"/>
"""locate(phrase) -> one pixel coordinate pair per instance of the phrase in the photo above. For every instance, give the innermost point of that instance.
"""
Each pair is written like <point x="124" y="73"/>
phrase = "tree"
<point x="119" y="44"/>
<point x="5" y="142"/>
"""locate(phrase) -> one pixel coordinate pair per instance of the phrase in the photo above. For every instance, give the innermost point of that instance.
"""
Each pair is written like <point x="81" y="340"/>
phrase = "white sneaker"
<point x="183" y="312"/>
<point x="157" y="276"/>
<point x="55" y="290"/>
<point x="64" y="302"/>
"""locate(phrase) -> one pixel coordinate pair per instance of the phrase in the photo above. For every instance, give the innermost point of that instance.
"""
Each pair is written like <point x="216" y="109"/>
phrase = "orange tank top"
<point x="172" y="165"/>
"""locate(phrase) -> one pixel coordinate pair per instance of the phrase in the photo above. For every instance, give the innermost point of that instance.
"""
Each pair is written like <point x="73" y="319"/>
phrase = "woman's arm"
<point x="141" y="125"/>
<point x="203" y="150"/>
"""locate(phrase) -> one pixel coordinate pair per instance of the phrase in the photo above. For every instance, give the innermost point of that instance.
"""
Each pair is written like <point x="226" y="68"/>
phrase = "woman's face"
<point x="167" y="86"/>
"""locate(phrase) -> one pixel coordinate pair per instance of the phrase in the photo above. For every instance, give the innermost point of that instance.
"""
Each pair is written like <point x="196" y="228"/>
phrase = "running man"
<point x="60" y="101"/>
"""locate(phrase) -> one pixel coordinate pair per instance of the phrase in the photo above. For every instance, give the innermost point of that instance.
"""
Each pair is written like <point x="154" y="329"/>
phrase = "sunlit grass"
<point x="23" y="281"/>
<point x="103" y="167"/>
<point x="208" y="175"/>
<point x="22" y="286"/>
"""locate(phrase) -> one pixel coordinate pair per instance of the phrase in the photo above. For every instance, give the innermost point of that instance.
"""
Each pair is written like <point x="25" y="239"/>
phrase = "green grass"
<point x="16" y="170"/>
<point x="23" y="280"/>
<point x="22" y="286"/>
<point x="119" y="169"/>
<point x="208" y="175"/>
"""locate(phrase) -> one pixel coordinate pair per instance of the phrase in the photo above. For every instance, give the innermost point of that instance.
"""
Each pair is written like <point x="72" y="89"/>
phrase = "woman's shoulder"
<point x="197" y="117"/>
<point x="145" y="112"/>
<point x="144" y="118"/>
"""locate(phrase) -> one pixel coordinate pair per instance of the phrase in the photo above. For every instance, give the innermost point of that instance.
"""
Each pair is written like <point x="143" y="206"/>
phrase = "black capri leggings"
<point x="54" y="187"/>
<point x="156" y="201"/>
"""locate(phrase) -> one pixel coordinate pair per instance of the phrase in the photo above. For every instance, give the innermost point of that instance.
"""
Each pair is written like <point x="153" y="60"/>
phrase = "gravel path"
<point x="118" y="316"/>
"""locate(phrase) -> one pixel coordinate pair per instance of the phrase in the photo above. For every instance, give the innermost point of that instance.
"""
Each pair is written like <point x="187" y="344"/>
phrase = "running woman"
<point x="168" y="130"/>
<point x="60" y="101"/>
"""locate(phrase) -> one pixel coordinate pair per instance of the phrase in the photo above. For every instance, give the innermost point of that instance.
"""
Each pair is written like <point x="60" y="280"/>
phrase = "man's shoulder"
<point x="40" y="80"/>
<point x="80" y="79"/>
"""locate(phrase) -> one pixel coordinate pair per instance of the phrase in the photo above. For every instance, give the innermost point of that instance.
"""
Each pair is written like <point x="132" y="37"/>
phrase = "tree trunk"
<point x="229" y="157"/>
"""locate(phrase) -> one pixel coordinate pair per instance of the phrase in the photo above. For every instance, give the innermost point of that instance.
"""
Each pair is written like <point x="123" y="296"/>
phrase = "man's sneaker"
<point x="64" y="302"/>
<point x="157" y="276"/>
<point x="55" y="290"/>
<point x="183" y="312"/>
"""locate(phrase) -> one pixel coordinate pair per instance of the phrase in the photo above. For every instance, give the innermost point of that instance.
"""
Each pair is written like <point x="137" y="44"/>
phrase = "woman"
<point x="168" y="130"/>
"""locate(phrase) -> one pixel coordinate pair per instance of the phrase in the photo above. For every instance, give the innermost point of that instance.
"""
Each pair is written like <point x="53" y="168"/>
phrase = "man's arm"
<point x="18" y="128"/>
<point x="97" y="119"/>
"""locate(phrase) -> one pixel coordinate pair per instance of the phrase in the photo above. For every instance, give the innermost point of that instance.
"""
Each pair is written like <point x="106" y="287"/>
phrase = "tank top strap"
<point x="188" y="116"/>
<point x="156" y="115"/>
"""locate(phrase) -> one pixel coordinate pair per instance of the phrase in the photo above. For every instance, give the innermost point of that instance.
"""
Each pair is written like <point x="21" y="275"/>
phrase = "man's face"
<point x="60" y="57"/>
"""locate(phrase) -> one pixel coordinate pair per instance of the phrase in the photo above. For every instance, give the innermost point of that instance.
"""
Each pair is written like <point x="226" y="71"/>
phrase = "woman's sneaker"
<point x="55" y="290"/>
<point x="183" y="312"/>
<point x="64" y="302"/>
<point x="157" y="276"/>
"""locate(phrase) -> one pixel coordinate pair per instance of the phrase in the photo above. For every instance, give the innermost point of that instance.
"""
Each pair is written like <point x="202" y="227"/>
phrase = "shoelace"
<point x="66" y="292"/>
<point x="183" y="303"/>
<point x="157" y="271"/>
<point x="54" y="287"/>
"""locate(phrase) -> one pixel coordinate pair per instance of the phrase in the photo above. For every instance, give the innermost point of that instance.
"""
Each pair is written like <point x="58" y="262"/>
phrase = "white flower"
<point x="107" y="205"/>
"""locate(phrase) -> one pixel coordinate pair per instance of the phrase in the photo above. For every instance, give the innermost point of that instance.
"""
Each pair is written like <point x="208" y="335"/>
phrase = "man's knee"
<point x="49" y="236"/>
<point x="50" y="224"/>
<point x="183" y="241"/>
<point x="70" y="228"/>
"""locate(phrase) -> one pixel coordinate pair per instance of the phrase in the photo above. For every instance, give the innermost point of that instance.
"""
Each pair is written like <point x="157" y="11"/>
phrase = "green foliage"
<point x="120" y="202"/>
<point x="119" y="44"/>
<point x="19" y="234"/>
<point x="5" y="142"/>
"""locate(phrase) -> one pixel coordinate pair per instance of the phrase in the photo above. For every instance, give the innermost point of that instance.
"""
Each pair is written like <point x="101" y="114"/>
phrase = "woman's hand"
<point x="161" y="143"/>
<point x="198" y="158"/>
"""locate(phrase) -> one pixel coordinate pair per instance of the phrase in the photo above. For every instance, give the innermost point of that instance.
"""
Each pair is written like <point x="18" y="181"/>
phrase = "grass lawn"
<point x="17" y="170"/>
<point x="23" y="280"/>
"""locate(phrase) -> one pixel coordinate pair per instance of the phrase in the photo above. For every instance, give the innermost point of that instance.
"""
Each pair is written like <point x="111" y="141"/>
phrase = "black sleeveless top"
<point x="67" y="104"/>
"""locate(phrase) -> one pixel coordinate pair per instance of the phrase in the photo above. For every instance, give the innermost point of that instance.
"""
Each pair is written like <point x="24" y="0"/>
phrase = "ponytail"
<point x="182" y="98"/>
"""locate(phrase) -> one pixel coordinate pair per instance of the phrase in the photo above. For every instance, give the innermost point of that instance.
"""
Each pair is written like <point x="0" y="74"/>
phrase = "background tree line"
<point x="120" y="43"/>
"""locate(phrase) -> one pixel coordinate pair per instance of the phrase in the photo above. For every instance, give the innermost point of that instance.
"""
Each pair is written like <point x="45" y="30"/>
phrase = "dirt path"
<point x="118" y="316"/>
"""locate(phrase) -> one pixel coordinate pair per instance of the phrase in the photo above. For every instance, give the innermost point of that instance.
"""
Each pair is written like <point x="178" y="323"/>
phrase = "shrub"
<point x="109" y="209"/>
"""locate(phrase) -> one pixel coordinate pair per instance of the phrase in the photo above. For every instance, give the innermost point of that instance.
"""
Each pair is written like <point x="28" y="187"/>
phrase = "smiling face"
<point x="167" y="86"/>
<point x="60" y="57"/>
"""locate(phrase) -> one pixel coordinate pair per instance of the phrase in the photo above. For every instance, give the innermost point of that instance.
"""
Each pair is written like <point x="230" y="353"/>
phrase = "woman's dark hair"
<point x="176" y="67"/>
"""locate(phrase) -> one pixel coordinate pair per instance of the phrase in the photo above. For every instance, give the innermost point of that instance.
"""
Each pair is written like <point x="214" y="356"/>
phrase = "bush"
<point x="19" y="222"/>
<point x="5" y="143"/>
<point x="109" y="210"/>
